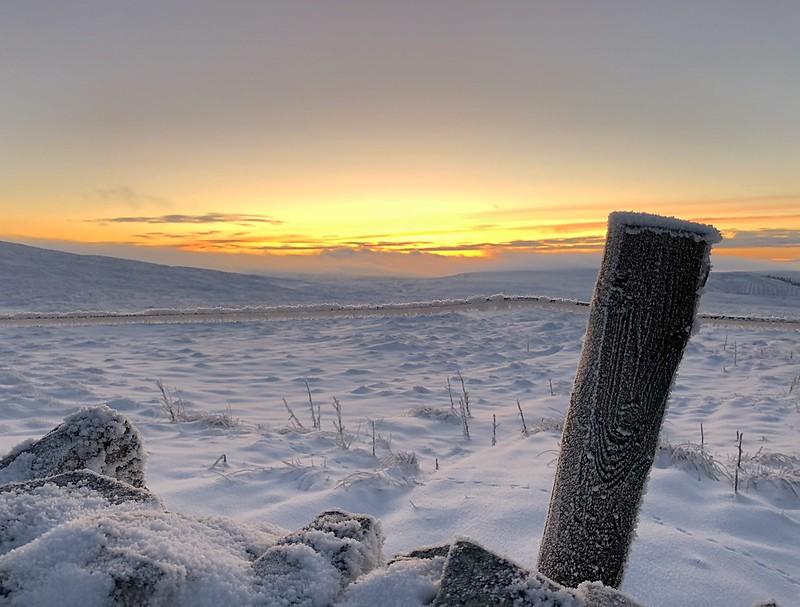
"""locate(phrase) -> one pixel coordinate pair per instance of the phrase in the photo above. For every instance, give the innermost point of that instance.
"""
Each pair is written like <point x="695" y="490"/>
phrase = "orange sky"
<point x="408" y="239"/>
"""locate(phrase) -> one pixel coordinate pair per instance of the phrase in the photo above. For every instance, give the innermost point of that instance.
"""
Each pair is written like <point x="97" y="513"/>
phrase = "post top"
<point x="659" y="223"/>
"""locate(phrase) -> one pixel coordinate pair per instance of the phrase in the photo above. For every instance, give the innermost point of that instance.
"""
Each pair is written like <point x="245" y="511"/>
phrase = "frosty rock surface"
<point x="310" y="567"/>
<point x="97" y="438"/>
<point x="352" y="543"/>
<point x="595" y="594"/>
<point x="474" y="576"/>
<point x="427" y="552"/>
<point x="641" y="318"/>
<point x="142" y="558"/>
<point x="30" y="509"/>
<point x="297" y="575"/>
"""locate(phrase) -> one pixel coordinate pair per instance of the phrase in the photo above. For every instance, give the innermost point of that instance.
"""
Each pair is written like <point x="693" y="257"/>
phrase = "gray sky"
<point x="338" y="119"/>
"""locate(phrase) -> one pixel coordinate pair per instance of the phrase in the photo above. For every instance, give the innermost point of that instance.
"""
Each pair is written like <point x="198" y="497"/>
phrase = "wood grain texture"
<point x="642" y="312"/>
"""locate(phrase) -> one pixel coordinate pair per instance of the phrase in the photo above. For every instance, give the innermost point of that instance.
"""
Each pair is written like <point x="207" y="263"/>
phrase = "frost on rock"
<point x="474" y="576"/>
<point x="31" y="508"/>
<point x="427" y="552"/>
<point x="595" y="594"/>
<point x="142" y="558"/>
<point x="310" y="567"/>
<point x="296" y="575"/>
<point x="352" y="543"/>
<point x="97" y="438"/>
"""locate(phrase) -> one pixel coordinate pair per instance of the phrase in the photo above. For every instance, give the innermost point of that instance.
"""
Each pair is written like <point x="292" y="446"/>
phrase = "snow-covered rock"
<point x="31" y="508"/>
<point x="470" y="575"/>
<point x="142" y="558"/>
<point x="353" y="543"/>
<point x="96" y="438"/>
<point x="310" y="567"/>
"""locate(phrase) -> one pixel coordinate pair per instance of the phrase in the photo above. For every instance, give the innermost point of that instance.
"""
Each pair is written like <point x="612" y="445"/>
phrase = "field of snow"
<point x="697" y="544"/>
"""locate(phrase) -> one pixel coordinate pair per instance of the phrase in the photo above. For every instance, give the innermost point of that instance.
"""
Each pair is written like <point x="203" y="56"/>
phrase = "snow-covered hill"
<point x="42" y="280"/>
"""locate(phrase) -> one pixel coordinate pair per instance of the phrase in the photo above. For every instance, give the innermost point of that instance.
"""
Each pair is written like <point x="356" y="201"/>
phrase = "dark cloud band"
<point x="235" y="218"/>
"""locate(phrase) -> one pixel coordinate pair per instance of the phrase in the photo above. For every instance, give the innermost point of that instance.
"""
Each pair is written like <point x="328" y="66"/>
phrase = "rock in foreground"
<point x="96" y="438"/>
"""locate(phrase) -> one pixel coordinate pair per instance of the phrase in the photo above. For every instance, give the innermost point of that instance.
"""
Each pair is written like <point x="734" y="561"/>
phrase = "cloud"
<point x="157" y="235"/>
<point x="244" y="219"/>
<point x="767" y="238"/>
<point x="279" y="244"/>
<point x="733" y="208"/>
<point x="130" y="196"/>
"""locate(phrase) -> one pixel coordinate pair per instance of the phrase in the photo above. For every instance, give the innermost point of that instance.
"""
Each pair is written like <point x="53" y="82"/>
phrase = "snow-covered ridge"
<point x="479" y="303"/>
<point x="35" y="282"/>
<point x="301" y="311"/>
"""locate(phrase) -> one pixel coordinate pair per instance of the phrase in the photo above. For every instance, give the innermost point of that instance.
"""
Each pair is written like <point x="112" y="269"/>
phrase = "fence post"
<point x="642" y="313"/>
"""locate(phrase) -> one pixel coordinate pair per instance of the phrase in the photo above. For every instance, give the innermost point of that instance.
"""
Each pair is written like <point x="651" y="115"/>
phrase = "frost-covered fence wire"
<point x="642" y="313"/>
<point x="497" y="303"/>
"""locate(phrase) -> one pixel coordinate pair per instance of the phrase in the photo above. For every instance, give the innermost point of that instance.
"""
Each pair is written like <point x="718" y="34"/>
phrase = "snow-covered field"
<point x="698" y="543"/>
<point x="694" y="533"/>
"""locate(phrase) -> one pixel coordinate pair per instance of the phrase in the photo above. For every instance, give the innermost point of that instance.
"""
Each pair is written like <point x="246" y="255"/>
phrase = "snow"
<point x="182" y="560"/>
<point x="697" y="543"/>
<point x="29" y="510"/>
<point x="405" y="583"/>
<point x="645" y="221"/>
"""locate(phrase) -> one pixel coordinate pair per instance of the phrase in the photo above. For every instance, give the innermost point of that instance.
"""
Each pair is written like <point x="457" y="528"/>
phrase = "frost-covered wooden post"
<point x="641" y="317"/>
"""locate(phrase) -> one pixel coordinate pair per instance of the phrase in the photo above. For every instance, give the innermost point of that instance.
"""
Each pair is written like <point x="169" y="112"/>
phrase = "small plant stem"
<point x="464" y="417"/>
<point x="450" y="393"/>
<point x="522" y="417"/>
<point x="292" y="417"/>
<point x="466" y="394"/>
<point x="314" y="421"/>
<point x="739" y="436"/>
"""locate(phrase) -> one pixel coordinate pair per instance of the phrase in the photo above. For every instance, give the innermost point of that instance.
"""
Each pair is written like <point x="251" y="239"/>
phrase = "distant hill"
<point x="41" y="280"/>
<point x="34" y="279"/>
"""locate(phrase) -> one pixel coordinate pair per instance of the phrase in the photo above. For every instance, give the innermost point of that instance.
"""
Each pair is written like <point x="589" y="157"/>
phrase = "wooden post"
<point x="642" y="313"/>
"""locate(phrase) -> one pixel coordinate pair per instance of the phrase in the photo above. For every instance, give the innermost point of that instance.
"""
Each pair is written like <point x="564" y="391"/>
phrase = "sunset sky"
<point x="405" y="137"/>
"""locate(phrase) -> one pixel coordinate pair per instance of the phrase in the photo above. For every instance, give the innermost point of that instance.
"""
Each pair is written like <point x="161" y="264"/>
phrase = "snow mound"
<point x="80" y="549"/>
<point x="30" y="509"/>
<point x="352" y="543"/>
<point x="96" y="438"/>
<point x="138" y="558"/>
<point x="404" y="583"/>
